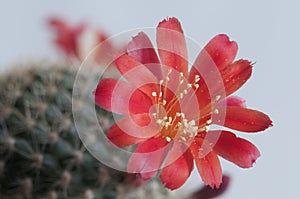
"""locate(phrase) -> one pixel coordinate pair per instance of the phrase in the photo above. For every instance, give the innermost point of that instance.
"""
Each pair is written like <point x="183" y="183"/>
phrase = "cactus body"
<point x="41" y="155"/>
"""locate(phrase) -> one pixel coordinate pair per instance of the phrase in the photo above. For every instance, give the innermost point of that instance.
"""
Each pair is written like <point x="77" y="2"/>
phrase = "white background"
<point x="267" y="32"/>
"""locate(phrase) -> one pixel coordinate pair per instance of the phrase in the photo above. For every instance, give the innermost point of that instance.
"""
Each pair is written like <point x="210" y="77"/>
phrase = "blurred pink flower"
<point x="76" y="41"/>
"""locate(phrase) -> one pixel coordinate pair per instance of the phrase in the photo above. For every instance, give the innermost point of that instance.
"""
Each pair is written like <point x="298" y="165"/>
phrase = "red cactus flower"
<point x="77" y="41"/>
<point x="168" y="110"/>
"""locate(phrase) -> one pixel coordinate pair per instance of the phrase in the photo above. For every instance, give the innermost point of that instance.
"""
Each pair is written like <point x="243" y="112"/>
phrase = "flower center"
<point x="167" y="114"/>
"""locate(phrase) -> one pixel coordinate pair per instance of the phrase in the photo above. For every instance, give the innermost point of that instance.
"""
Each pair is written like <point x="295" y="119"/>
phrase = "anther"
<point x="154" y="94"/>
<point x="197" y="78"/>
<point x="206" y="128"/>
<point x="167" y="125"/>
<point x="216" y="111"/>
<point x="218" y="97"/>
<point x="164" y="102"/>
<point x="181" y="95"/>
<point x="159" y="121"/>
<point x="168" y="139"/>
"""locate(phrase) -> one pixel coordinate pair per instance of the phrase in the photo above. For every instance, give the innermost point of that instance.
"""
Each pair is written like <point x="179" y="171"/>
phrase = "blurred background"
<point x="267" y="33"/>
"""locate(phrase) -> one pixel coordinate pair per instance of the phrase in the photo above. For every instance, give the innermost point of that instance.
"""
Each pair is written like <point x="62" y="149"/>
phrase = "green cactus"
<point x="41" y="155"/>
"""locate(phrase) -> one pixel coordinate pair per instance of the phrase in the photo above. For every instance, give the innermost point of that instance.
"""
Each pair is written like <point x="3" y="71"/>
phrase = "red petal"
<point x="171" y="45"/>
<point x="120" y="97"/>
<point x="236" y="75"/>
<point x="132" y="130"/>
<point x="208" y="167"/>
<point x="147" y="158"/>
<point x="137" y="74"/>
<point x="237" y="150"/>
<point x="216" y="55"/>
<point x="246" y="120"/>
<point x="120" y="138"/>
<point x="210" y="77"/>
<point x="233" y="101"/>
<point x="214" y="83"/>
<point x="221" y="50"/>
<point x="143" y="51"/>
<point x="175" y="174"/>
